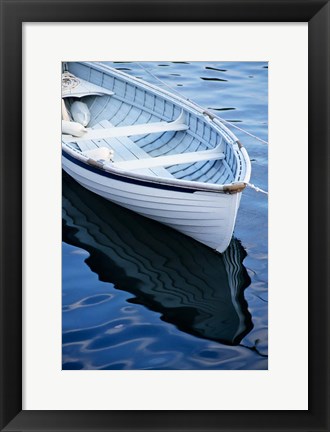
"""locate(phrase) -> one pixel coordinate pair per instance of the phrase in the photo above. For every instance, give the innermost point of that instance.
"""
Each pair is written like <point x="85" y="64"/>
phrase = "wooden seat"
<point x="173" y="159"/>
<point x="125" y="131"/>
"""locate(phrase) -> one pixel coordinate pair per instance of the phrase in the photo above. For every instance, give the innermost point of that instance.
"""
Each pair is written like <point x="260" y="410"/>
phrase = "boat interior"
<point x="149" y="133"/>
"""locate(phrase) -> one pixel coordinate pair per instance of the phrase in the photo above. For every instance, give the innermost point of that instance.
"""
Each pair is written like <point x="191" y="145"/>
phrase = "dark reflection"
<point x="213" y="79"/>
<point x="215" y="69"/>
<point x="222" y="109"/>
<point x="194" y="288"/>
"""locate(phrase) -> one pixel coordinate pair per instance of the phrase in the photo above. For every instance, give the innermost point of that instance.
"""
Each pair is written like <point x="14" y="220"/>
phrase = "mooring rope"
<point x="242" y="130"/>
<point x="163" y="82"/>
<point x="257" y="189"/>
<point x="184" y="97"/>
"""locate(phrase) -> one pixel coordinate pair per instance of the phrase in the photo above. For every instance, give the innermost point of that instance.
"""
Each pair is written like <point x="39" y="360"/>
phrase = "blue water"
<point x="138" y="295"/>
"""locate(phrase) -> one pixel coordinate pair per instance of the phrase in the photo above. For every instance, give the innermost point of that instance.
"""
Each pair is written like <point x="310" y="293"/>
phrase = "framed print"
<point x="185" y="346"/>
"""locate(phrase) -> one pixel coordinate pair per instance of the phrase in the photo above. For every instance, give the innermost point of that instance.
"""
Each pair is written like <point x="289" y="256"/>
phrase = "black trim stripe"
<point x="125" y="179"/>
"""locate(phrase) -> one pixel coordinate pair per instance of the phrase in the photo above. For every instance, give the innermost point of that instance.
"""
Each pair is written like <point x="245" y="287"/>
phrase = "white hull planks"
<point x="207" y="217"/>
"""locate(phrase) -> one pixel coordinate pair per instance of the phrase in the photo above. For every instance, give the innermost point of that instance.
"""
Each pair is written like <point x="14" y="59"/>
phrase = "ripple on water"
<point x="88" y="301"/>
<point x="213" y="79"/>
<point x="215" y="69"/>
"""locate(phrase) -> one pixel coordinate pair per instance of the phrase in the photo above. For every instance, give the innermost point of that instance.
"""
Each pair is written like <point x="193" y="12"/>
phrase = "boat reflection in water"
<point x="191" y="286"/>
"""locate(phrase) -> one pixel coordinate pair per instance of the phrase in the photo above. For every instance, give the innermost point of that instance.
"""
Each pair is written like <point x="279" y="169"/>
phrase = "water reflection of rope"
<point x="184" y="97"/>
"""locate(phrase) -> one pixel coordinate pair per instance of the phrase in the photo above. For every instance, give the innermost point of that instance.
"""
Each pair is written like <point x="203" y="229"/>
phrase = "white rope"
<point x="184" y="97"/>
<point x="242" y="130"/>
<point x="257" y="189"/>
<point x="163" y="82"/>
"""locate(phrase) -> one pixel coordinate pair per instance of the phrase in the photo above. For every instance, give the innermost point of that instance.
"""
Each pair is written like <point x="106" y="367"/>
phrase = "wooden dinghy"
<point x="153" y="152"/>
<point x="192" y="287"/>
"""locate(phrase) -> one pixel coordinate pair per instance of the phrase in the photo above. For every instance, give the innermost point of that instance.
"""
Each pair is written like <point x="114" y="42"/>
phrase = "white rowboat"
<point x="155" y="153"/>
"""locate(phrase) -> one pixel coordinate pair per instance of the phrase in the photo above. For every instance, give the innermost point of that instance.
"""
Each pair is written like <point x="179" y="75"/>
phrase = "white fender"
<point x="80" y="113"/>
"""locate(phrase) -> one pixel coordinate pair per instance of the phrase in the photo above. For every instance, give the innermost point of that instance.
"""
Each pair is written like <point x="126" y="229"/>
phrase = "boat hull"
<point x="206" y="216"/>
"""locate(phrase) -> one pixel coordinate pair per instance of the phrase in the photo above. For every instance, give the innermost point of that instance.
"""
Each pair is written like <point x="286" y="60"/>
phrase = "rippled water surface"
<point x="138" y="295"/>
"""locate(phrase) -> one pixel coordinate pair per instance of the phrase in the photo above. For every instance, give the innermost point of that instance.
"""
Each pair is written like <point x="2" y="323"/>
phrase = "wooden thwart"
<point x="122" y="131"/>
<point x="170" y="160"/>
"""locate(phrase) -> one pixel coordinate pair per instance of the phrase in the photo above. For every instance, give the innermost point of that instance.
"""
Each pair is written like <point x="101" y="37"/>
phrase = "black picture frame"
<point x="13" y="14"/>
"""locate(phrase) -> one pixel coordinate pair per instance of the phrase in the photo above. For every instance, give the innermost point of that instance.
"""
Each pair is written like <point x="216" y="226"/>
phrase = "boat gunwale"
<point x="184" y="185"/>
